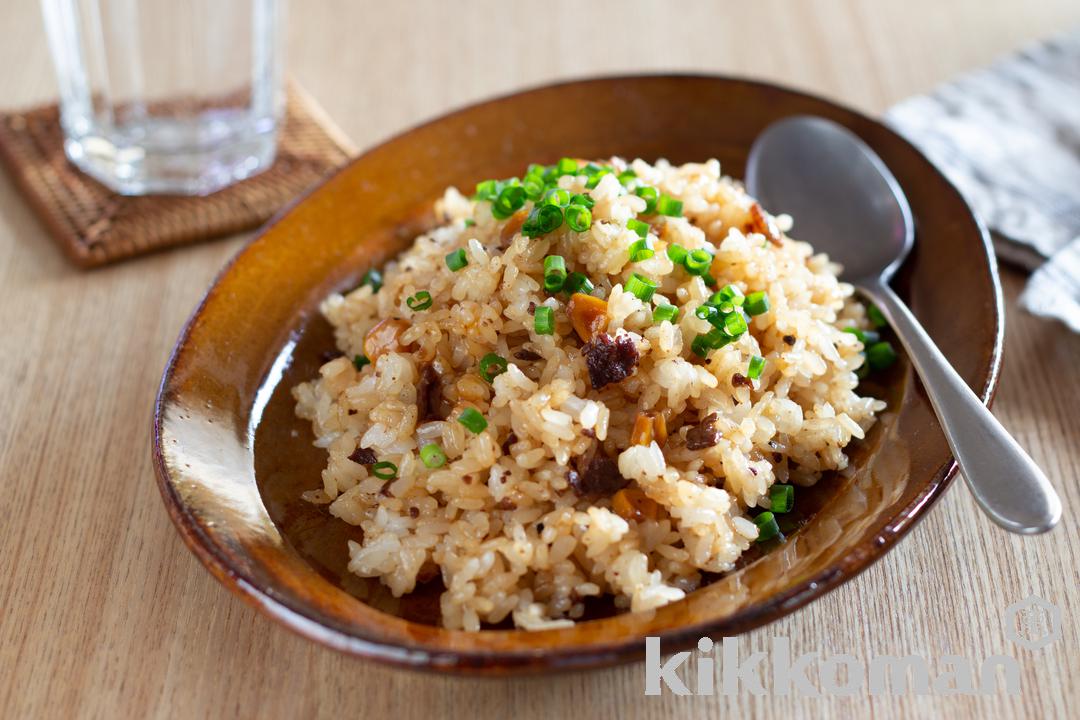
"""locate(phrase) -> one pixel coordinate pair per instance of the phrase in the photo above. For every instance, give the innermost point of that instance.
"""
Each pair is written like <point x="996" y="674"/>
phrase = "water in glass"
<point x="160" y="96"/>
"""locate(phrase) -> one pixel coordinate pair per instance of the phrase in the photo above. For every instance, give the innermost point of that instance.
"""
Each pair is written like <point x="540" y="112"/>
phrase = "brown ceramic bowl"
<point x="232" y="459"/>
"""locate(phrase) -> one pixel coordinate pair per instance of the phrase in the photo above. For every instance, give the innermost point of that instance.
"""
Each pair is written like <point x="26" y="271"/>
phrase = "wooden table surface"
<point x="104" y="612"/>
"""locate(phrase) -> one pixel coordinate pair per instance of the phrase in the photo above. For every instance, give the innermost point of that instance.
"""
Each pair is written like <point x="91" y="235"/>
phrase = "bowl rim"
<point x="594" y="655"/>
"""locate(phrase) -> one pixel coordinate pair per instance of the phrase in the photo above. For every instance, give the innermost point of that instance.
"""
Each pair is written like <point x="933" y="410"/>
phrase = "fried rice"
<point x="619" y="458"/>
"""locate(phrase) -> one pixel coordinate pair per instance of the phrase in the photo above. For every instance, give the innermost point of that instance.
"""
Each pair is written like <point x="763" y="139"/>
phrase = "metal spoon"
<point x="846" y="203"/>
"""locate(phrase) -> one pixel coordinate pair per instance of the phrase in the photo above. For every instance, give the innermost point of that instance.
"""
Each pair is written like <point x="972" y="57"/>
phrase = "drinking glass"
<point x="168" y="96"/>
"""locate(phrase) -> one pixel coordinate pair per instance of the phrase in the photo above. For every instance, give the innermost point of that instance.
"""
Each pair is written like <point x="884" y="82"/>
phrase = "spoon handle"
<point x="1005" y="481"/>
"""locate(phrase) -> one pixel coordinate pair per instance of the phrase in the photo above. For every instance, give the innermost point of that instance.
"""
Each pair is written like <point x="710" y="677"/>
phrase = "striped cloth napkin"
<point x="1009" y="137"/>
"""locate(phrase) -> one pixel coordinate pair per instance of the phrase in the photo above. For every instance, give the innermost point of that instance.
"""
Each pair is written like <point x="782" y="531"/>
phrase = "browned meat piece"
<point x="738" y="379"/>
<point x="527" y="355"/>
<point x="429" y="394"/>
<point x="609" y="360"/>
<point x="363" y="456"/>
<point x="704" y="434"/>
<point x="600" y="478"/>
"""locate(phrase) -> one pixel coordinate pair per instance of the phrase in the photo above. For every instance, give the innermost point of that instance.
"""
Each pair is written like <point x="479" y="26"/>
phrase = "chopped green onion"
<point x="700" y="346"/>
<point x="556" y="196"/>
<point x="757" y="364"/>
<point x="734" y="324"/>
<point x="669" y="206"/>
<point x="877" y="319"/>
<point x="510" y="200"/>
<point x="596" y="177"/>
<point x="433" y="456"/>
<point x="767" y="527"/>
<point x="373" y="278"/>
<point x="706" y="312"/>
<point x="866" y="337"/>
<point x="456" y="260"/>
<point x="566" y="166"/>
<point x="419" y="301"/>
<point x="709" y="280"/>
<point x="544" y="320"/>
<point x="554" y="273"/>
<point x="641" y="228"/>
<point x="627" y="176"/>
<point x="534" y="186"/>
<point x="859" y="335"/>
<point x="712" y="340"/>
<point x="486" y="190"/>
<point x="697" y="262"/>
<point x="880" y="355"/>
<point x="472" y="420"/>
<point x="730" y="294"/>
<point x="781" y="498"/>
<point x="492" y="365"/>
<point x="469" y="222"/>
<point x="583" y="199"/>
<point x="641" y="250"/>
<point x="578" y="217"/>
<point x="384" y="470"/>
<point x="359" y="361"/>
<point x="555" y="263"/>
<point x="756" y="303"/>
<point x="676" y="253"/>
<point x="578" y="282"/>
<point x="641" y="287"/>
<point x="717" y="338"/>
<point x="650" y="195"/>
<point x="665" y="312"/>
<point x="542" y="220"/>
<point x="863" y="370"/>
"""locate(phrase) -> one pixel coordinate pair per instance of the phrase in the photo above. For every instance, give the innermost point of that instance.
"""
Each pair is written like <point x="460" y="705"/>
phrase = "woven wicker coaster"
<point x="95" y="226"/>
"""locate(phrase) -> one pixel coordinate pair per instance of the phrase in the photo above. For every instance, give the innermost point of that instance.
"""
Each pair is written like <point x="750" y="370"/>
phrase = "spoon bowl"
<point x="860" y="217"/>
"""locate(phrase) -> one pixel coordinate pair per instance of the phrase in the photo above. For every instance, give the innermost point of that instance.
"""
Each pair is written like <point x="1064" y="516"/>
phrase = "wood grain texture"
<point x="104" y="613"/>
